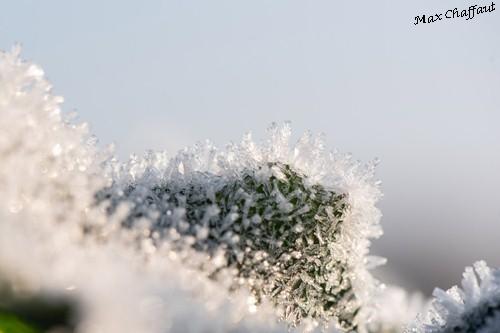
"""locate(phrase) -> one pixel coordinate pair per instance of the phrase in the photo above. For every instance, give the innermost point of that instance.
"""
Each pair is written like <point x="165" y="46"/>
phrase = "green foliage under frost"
<point x="275" y="228"/>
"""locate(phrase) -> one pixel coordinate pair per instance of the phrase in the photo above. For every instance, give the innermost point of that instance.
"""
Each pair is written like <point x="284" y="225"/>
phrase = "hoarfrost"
<point x="314" y="213"/>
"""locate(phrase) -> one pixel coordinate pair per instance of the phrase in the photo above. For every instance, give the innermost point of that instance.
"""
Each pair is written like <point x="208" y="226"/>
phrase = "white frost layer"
<point x="50" y="171"/>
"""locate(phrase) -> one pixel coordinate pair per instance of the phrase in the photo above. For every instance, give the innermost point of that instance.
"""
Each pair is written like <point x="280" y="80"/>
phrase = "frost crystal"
<point x="474" y="308"/>
<point x="211" y="240"/>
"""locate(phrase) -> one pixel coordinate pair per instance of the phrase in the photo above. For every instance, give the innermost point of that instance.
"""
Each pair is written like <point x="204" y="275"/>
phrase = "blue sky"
<point x="424" y="99"/>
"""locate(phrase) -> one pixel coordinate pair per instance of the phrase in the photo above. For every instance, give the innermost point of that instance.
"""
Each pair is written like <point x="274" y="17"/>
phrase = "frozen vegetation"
<point x="268" y="236"/>
<point x="474" y="308"/>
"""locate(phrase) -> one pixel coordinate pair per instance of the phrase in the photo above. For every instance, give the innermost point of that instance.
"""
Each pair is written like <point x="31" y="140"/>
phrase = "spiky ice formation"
<point x="473" y="308"/>
<point x="292" y="221"/>
<point x="272" y="228"/>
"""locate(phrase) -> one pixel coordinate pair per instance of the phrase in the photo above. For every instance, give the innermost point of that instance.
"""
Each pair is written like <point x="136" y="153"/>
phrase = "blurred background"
<point x="424" y="99"/>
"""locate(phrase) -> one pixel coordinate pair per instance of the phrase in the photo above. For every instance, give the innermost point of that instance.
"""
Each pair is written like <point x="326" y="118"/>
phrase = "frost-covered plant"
<point x="292" y="222"/>
<point x="474" y="308"/>
<point x="276" y="230"/>
<point x="211" y="240"/>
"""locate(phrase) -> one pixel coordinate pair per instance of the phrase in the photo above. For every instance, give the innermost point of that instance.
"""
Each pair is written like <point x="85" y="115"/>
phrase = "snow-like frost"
<point x="473" y="308"/>
<point x="77" y="222"/>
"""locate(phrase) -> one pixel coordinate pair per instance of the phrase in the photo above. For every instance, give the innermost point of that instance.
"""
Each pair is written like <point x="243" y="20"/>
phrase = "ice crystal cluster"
<point x="254" y="237"/>
<point x="296" y="237"/>
<point x="473" y="308"/>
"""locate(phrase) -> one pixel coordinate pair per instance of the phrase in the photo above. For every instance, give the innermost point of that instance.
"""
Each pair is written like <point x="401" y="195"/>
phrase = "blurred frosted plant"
<point x="44" y="158"/>
<point x="395" y="309"/>
<point x="292" y="222"/>
<point x="474" y="308"/>
<point x="49" y="172"/>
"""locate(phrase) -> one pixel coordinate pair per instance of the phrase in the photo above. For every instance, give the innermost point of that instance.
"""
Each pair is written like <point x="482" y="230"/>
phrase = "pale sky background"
<point x="424" y="99"/>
